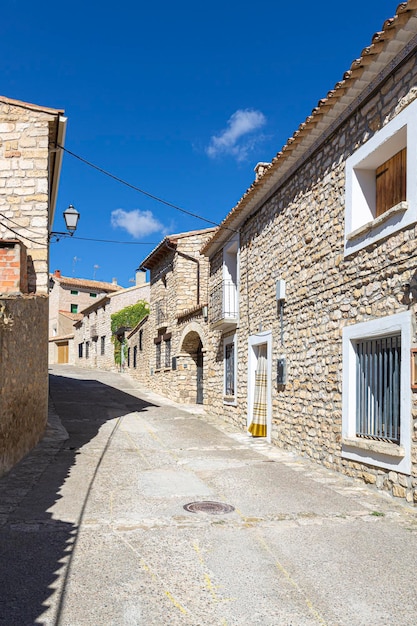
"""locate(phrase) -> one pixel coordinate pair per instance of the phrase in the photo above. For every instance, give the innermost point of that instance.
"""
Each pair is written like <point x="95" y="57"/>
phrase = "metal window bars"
<point x="378" y="388"/>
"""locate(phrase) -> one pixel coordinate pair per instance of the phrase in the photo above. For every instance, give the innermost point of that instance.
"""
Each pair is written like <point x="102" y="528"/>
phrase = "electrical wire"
<point x="20" y="235"/>
<point x="142" y="191"/>
<point x="20" y="225"/>
<point x="129" y="243"/>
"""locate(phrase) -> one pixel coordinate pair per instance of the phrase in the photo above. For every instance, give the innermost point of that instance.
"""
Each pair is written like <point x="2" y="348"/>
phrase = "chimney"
<point x="57" y="273"/>
<point x="140" y="277"/>
<point x="260" y="169"/>
<point x="114" y="281"/>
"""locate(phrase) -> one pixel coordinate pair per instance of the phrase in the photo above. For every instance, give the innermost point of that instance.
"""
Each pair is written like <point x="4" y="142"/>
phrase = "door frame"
<point x="262" y="338"/>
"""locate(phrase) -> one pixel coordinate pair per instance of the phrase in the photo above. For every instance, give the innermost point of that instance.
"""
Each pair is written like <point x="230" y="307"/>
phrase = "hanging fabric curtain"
<point x="257" y="427"/>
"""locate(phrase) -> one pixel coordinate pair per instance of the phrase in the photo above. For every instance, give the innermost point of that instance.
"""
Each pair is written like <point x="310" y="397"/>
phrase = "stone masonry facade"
<point x="26" y="135"/>
<point x="29" y="178"/>
<point x="297" y="234"/>
<point x="174" y="335"/>
<point x="93" y="336"/>
<point x="24" y="368"/>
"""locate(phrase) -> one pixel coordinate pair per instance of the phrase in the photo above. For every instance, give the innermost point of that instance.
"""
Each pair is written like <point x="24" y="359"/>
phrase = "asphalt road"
<point x="93" y="529"/>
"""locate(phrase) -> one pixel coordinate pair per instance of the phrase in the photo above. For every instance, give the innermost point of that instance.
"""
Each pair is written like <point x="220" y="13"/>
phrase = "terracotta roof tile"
<point x="71" y="316"/>
<point x="86" y="283"/>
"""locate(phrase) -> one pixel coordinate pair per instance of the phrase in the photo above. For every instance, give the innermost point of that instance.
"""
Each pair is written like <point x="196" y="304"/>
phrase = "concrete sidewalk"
<point x="94" y="530"/>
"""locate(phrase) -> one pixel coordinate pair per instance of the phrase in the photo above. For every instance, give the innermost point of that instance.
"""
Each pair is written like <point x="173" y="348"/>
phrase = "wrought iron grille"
<point x="378" y="388"/>
<point x="158" y="356"/>
<point x="223" y="301"/>
<point x="230" y="369"/>
<point x="168" y="353"/>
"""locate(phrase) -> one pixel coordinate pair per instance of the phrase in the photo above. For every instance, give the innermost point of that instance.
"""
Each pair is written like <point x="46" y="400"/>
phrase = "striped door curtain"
<point x="257" y="427"/>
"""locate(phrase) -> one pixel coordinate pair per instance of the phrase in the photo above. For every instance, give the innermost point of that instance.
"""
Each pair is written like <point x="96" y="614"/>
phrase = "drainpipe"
<point x="194" y="260"/>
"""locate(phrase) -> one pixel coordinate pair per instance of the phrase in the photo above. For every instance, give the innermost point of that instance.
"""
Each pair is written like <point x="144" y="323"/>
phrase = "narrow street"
<point x="94" y="530"/>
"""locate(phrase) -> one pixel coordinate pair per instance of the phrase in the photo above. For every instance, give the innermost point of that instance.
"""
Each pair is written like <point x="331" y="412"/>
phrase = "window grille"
<point x="135" y="355"/>
<point x="158" y="356"/>
<point x="80" y="350"/>
<point x="128" y="357"/>
<point x="230" y="369"/>
<point x="103" y="344"/>
<point x="378" y="366"/>
<point x="168" y="353"/>
<point x="87" y="349"/>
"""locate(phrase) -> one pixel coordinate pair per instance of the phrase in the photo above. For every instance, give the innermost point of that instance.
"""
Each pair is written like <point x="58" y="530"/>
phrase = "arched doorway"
<point x="191" y="358"/>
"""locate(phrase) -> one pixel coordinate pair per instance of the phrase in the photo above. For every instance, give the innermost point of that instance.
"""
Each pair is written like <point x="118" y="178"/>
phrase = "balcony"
<point x="223" y="305"/>
<point x="161" y="316"/>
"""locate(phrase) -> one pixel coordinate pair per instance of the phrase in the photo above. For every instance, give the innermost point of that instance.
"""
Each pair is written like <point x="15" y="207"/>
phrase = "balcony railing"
<point x="223" y="304"/>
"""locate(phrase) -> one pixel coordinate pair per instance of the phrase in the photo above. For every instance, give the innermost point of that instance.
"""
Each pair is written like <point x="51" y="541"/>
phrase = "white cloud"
<point x="137" y="223"/>
<point x="234" y="139"/>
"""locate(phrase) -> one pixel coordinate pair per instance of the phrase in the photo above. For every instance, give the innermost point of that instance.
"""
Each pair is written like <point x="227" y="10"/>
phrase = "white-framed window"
<point x="381" y="183"/>
<point x="376" y="418"/>
<point x="230" y="369"/>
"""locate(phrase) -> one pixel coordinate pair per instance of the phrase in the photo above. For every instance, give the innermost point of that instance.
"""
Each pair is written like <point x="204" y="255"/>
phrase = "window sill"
<point x="401" y="207"/>
<point x="230" y="400"/>
<point x="378" y="447"/>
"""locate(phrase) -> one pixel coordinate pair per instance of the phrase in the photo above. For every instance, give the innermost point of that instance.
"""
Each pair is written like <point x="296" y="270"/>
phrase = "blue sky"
<point x="180" y="99"/>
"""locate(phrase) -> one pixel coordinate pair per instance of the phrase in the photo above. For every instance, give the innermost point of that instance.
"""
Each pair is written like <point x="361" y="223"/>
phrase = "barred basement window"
<point x="378" y="385"/>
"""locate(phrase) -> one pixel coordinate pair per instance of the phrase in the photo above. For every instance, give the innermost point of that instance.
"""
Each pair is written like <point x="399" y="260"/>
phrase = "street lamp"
<point x="71" y="217"/>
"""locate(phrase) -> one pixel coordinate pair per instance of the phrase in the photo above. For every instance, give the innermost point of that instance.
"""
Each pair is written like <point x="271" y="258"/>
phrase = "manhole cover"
<point x="213" y="508"/>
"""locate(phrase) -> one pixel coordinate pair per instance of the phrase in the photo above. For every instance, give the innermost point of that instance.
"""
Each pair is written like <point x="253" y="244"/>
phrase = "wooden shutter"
<point x="391" y="179"/>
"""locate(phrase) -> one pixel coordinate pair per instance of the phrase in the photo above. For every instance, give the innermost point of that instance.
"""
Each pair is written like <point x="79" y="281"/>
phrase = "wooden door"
<point x="63" y="352"/>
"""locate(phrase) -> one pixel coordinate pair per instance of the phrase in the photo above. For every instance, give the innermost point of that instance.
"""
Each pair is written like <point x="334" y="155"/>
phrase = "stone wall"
<point x="298" y="235"/>
<point x="23" y="375"/>
<point x="179" y="289"/>
<point x="24" y="140"/>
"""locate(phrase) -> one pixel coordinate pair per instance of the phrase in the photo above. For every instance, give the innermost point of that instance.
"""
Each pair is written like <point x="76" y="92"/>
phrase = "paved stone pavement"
<point x="93" y="529"/>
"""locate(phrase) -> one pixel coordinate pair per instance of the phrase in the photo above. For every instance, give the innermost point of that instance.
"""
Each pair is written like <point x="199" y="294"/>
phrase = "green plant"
<point x="128" y="317"/>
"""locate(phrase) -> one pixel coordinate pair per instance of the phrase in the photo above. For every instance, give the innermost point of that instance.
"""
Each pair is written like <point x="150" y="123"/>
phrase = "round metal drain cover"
<point x="213" y="508"/>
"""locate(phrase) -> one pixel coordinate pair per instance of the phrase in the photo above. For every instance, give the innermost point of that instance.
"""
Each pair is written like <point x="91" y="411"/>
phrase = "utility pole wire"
<point x="142" y="191"/>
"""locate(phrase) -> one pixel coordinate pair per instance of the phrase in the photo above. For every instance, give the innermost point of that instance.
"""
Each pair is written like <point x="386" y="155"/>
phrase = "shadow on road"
<point x="36" y="548"/>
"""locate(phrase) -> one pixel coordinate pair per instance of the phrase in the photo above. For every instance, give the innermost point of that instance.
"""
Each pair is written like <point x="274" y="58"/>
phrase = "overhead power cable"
<point x="17" y="224"/>
<point x="20" y="235"/>
<point x="129" y="243"/>
<point x="142" y="191"/>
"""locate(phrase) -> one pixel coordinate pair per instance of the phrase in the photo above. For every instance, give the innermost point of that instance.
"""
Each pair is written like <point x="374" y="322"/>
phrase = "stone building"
<point x="166" y="350"/>
<point x="92" y="333"/>
<point x="313" y="298"/>
<point x="68" y="296"/>
<point x="30" y="165"/>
